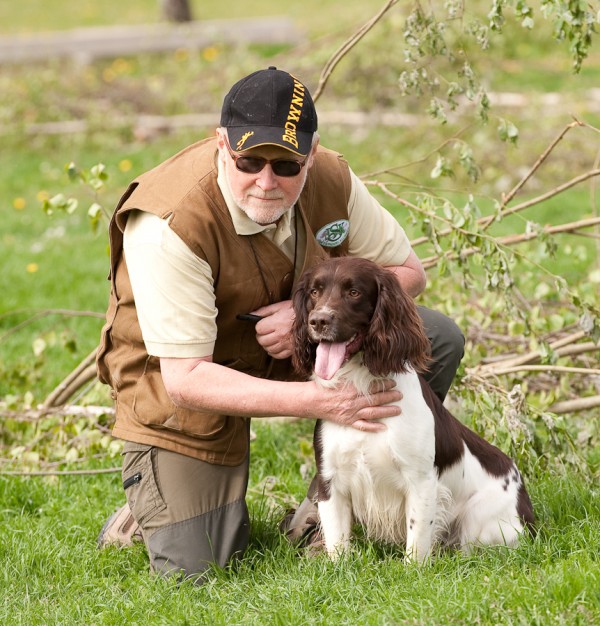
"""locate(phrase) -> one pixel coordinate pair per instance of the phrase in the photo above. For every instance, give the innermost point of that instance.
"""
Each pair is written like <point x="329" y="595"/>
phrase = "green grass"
<point x="52" y="573"/>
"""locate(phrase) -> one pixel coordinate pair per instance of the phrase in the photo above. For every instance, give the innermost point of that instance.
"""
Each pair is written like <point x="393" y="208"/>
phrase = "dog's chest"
<point x="357" y="463"/>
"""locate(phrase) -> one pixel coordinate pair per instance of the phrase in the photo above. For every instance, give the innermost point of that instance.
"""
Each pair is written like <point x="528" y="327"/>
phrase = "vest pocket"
<point x="153" y="407"/>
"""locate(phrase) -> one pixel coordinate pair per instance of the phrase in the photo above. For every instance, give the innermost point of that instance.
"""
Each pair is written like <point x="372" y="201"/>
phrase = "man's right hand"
<point x="348" y="407"/>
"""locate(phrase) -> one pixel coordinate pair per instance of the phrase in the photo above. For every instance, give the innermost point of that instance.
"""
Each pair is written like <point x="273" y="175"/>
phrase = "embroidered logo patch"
<point x="242" y="141"/>
<point x="333" y="234"/>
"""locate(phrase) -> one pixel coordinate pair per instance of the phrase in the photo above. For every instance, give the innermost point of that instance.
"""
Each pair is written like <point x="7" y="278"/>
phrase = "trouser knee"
<point x="447" y="349"/>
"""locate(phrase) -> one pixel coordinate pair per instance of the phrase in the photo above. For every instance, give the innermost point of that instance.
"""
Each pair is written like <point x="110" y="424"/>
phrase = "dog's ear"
<point x="395" y="339"/>
<point x="303" y="350"/>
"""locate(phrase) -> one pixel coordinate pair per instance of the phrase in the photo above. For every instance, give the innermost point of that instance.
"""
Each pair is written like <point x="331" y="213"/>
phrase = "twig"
<point x="46" y="313"/>
<point x="84" y="372"/>
<point x="579" y="404"/>
<point x="33" y="415"/>
<point x="533" y="356"/>
<point x="109" y="470"/>
<point x="347" y="46"/>
<point x="538" y="368"/>
<point x="511" y="194"/>
<point x="510" y="240"/>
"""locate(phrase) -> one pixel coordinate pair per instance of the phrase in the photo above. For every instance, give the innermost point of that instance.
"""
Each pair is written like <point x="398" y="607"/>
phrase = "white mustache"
<point x="267" y="195"/>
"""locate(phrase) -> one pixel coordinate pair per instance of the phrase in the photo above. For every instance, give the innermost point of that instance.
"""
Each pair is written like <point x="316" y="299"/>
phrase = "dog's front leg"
<point x="420" y="519"/>
<point x="335" y="514"/>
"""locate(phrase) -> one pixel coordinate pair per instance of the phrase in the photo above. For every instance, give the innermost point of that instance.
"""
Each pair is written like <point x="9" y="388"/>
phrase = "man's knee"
<point x="191" y="547"/>
<point x="447" y="349"/>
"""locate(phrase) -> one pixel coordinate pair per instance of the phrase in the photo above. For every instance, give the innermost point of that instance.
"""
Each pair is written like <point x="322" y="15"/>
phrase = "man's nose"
<point x="266" y="179"/>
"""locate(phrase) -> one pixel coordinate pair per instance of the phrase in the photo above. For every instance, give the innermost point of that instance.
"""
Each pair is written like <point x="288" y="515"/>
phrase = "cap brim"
<point x="245" y="137"/>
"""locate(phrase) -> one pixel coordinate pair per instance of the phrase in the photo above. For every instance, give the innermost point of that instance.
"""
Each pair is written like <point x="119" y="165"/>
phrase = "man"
<point x="202" y="246"/>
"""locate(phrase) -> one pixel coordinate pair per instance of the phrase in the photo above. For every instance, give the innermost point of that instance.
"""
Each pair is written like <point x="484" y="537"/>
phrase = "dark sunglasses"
<point x="254" y="165"/>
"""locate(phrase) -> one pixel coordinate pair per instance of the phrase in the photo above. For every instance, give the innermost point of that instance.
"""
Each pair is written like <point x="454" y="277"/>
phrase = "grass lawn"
<point x="52" y="572"/>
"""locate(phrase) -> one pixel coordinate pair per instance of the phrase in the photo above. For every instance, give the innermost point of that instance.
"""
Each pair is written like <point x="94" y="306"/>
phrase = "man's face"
<point x="263" y="196"/>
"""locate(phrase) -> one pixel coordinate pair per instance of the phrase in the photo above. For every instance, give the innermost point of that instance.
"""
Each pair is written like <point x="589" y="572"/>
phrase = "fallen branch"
<point x="535" y="355"/>
<point x="45" y="313"/>
<point x="34" y="415"/>
<point x="578" y="404"/>
<point x="511" y="240"/>
<point x="347" y="46"/>
<point x="539" y="368"/>
<point x="109" y="470"/>
<point x="82" y="374"/>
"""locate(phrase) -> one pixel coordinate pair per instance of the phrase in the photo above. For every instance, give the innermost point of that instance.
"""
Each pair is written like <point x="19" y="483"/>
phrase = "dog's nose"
<point x="319" y="321"/>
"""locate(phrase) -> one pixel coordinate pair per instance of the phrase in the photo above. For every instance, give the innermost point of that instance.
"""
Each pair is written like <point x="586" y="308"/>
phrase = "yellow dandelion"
<point x="210" y="53"/>
<point x="121" y="66"/>
<point x="125" y="165"/>
<point x="181" y="54"/>
<point x="32" y="268"/>
<point x="108" y="74"/>
<point x="19" y="203"/>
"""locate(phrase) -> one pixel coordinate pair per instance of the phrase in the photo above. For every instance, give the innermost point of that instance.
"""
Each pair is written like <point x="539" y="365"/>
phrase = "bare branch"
<point x="511" y="194"/>
<point x="510" y="240"/>
<point x="46" y="313"/>
<point x="108" y="470"/>
<point x="82" y="374"/>
<point x="578" y="404"/>
<point x="347" y="46"/>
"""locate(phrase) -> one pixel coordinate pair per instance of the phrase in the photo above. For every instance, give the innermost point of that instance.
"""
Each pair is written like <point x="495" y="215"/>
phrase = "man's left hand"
<point x="274" y="331"/>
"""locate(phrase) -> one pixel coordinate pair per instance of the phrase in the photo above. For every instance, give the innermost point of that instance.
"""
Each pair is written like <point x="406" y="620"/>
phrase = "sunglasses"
<point x="253" y="165"/>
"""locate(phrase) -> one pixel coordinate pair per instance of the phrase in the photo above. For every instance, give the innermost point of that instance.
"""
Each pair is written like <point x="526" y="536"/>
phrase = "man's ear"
<point x="220" y="133"/>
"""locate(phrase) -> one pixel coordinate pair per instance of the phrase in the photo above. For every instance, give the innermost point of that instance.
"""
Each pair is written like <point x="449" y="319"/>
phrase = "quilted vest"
<point x="184" y="189"/>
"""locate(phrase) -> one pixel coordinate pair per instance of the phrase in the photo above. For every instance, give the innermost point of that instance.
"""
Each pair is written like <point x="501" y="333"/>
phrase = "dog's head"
<point x="346" y="305"/>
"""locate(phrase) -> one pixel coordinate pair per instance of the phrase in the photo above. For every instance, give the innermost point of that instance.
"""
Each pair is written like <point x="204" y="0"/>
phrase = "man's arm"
<point x="200" y="384"/>
<point x="411" y="275"/>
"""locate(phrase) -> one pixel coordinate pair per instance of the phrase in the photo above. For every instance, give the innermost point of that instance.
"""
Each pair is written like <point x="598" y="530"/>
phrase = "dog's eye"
<point x="314" y="293"/>
<point x="354" y="293"/>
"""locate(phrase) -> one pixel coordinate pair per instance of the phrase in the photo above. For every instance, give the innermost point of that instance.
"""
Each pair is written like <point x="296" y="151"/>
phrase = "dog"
<point x="425" y="482"/>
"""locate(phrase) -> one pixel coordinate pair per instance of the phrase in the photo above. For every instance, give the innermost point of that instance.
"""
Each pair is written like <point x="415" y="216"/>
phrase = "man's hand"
<point x="346" y="406"/>
<point x="274" y="331"/>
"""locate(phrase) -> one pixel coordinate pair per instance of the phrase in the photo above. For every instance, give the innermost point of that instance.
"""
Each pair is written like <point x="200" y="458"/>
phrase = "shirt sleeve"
<point x="172" y="287"/>
<point x="374" y="232"/>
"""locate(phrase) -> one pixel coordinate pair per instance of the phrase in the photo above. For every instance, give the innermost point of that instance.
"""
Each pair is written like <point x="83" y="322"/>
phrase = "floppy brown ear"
<point x="303" y="351"/>
<point x="395" y="339"/>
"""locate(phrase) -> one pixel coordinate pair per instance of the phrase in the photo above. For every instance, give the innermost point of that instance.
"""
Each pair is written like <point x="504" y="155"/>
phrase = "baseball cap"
<point x="269" y="107"/>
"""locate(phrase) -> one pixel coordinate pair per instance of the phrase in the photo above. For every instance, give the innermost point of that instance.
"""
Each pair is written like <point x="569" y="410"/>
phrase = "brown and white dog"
<point x="427" y="480"/>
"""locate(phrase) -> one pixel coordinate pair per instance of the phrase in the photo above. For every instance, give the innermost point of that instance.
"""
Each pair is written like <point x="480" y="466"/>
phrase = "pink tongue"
<point x="330" y="357"/>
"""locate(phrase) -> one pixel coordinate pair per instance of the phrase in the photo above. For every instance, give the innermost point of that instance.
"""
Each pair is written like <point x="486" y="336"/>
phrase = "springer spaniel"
<point x="427" y="480"/>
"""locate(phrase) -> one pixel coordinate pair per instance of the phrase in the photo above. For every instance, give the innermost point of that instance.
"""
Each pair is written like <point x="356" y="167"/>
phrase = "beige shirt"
<point x="173" y="288"/>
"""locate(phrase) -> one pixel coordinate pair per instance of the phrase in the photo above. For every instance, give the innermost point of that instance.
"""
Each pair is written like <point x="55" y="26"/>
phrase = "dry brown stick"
<point x="109" y="470"/>
<point x="33" y="415"/>
<point x="511" y="194"/>
<point x="532" y="356"/>
<point x="510" y="240"/>
<point x="483" y="220"/>
<point x="46" y="313"/>
<point x="578" y="404"/>
<point x="562" y="369"/>
<point x="347" y="46"/>
<point x="83" y="373"/>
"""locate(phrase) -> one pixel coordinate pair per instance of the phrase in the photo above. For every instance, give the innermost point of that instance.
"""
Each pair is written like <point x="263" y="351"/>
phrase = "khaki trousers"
<point x="191" y="513"/>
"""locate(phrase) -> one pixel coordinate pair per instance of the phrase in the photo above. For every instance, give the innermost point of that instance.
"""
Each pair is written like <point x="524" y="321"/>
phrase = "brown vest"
<point x="184" y="189"/>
